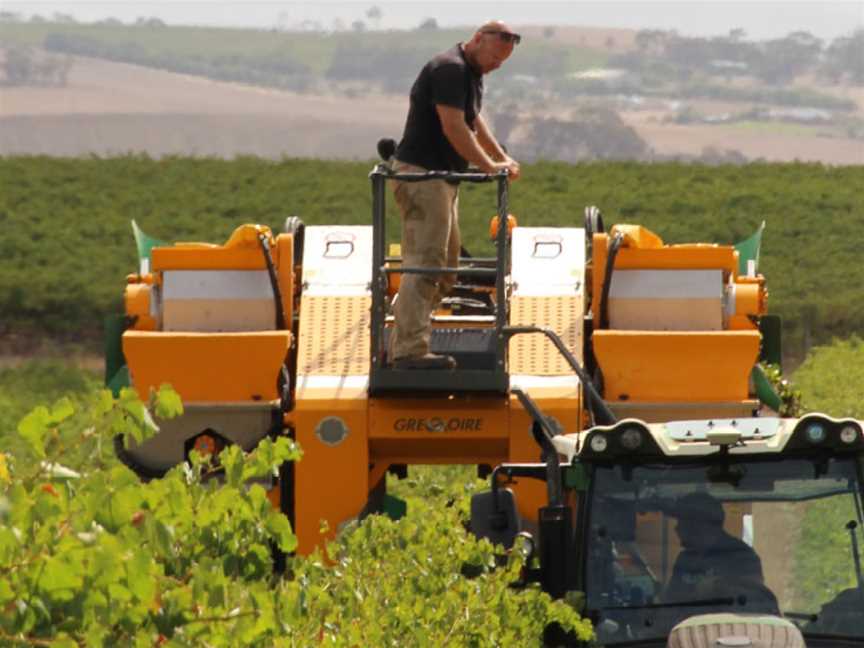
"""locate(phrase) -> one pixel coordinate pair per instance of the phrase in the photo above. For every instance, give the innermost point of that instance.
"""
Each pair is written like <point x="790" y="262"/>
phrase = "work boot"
<point x="428" y="361"/>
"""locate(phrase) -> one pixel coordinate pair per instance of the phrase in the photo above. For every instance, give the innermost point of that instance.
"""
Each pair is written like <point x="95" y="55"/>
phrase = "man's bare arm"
<point x="490" y="144"/>
<point x="467" y="144"/>
<point x="487" y="140"/>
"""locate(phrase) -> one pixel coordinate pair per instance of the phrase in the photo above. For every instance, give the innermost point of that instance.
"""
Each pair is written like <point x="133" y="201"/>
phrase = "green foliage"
<point x="831" y="381"/>
<point x="91" y="556"/>
<point x="832" y="377"/>
<point x="790" y="396"/>
<point x="23" y="387"/>
<point x="67" y="243"/>
<point x="823" y="552"/>
<point x="428" y="603"/>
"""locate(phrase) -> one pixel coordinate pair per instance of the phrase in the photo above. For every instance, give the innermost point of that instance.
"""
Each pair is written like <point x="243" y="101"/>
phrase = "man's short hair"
<point x="700" y="506"/>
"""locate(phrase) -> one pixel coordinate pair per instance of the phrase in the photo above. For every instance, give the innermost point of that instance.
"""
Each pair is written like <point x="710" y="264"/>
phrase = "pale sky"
<point x="760" y="19"/>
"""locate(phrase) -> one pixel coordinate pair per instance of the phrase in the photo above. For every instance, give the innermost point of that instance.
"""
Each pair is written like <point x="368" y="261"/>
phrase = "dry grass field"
<point x="113" y="108"/>
<point x="771" y="142"/>
<point x="109" y="108"/>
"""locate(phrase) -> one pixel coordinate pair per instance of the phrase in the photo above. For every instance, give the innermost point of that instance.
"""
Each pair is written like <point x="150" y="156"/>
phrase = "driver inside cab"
<point x="714" y="564"/>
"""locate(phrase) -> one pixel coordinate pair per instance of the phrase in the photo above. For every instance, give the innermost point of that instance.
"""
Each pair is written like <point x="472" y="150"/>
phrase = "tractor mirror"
<point x="494" y="516"/>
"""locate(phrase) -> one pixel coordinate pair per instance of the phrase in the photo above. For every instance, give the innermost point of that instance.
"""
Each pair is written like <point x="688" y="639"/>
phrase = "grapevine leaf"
<point x="9" y="546"/>
<point x="6" y="592"/>
<point x="139" y="578"/>
<point x="280" y="528"/>
<point x="60" y="579"/>
<point x="168" y="402"/>
<point x="63" y="640"/>
<point x="61" y="411"/>
<point x="103" y="402"/>
<point x="119" y="593"/>
<point x="232" y="459"/>
<point x="34" y="427"/>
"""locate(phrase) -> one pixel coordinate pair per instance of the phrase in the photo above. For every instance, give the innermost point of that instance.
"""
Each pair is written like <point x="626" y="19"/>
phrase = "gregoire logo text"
<point x="438" y="424"/>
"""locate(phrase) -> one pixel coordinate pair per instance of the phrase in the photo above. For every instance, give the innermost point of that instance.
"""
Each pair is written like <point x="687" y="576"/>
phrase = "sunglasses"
<point x="507" y="37"/>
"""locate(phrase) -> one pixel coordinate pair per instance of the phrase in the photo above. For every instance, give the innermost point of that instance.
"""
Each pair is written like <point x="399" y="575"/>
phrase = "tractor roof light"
<point x="816" y="432"/>
<point x="631" y="438"/>
<point x="599" y="442"/>
<point x="850" y="433"/>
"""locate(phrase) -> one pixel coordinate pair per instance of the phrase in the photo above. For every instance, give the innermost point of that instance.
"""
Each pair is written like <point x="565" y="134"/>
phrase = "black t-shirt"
<point x="447" y="79"/>
<point x="729" y="566"/>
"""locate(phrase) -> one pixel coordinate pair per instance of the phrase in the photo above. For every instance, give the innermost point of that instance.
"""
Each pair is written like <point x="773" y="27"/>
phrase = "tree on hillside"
<point x="21" y="67"/>
<point x="374" y="14"/>
<point x="429" y="24"/>
<point x="592" y="133"/>
<point x="18" y="66"/>
<point x="737" y="35"/>
<point x="844" y="58"/>
<point x="149" y="22"/>
<point x="652" y="42"/>
<point x="783" y="59"/>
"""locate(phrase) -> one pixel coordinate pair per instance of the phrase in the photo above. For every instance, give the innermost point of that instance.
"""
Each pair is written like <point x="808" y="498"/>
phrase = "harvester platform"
<point x="475" y="351"/>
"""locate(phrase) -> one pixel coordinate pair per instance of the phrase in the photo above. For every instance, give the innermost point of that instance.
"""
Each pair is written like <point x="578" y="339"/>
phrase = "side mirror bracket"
<point x="494" y="517"/>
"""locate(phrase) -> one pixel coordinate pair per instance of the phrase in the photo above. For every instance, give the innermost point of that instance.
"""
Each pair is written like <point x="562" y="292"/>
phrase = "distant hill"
<point x="114" y="88"/>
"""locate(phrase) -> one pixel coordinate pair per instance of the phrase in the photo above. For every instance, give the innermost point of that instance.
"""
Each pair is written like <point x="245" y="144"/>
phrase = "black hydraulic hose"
<point x="283" y="382"/>
<point x="607" y="279"/>
<point x="599" y="409"/>
<point x="544" y="430"/>
<point x="274" y="281"/>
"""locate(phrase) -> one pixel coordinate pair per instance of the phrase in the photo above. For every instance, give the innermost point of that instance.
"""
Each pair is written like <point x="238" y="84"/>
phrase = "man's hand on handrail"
<point x="470" y="175"/>
<point x="509" y="165"/>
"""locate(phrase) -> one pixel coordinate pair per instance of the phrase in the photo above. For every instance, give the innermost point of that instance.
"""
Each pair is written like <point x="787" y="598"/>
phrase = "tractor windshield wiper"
<point x="812" y="617"/>
<point x="844" y="639"/>
<point x="726" y="600"/>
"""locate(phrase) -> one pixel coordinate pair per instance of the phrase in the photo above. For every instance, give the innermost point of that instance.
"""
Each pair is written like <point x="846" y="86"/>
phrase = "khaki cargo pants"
<point x="430" y="239"/>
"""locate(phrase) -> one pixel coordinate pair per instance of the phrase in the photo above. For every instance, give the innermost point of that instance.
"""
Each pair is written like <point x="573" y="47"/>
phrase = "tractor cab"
<point x="686" y="531"/>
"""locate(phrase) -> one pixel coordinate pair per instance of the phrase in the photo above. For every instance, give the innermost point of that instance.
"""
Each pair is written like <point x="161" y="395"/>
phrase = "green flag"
<point x="748" y="250"/>
<point x="144" y="244"/>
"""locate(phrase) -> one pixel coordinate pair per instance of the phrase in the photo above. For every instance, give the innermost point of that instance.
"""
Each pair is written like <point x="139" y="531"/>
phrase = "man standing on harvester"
<point x="444" y="132"/>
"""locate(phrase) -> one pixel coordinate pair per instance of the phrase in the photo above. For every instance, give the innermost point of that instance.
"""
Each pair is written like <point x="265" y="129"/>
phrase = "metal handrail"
<point x="441" y="175"/>
<point x="478" y="260"/>
<point x="468" y="272"/>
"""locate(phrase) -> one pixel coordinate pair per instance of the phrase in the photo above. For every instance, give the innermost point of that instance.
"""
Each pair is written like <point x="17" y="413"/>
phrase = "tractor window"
<point x="666" y="542"/>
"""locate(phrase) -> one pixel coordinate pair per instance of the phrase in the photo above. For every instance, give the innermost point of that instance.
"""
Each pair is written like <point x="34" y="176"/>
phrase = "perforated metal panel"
<point x="534" y="354"/>
<point x="334" y="335"/>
